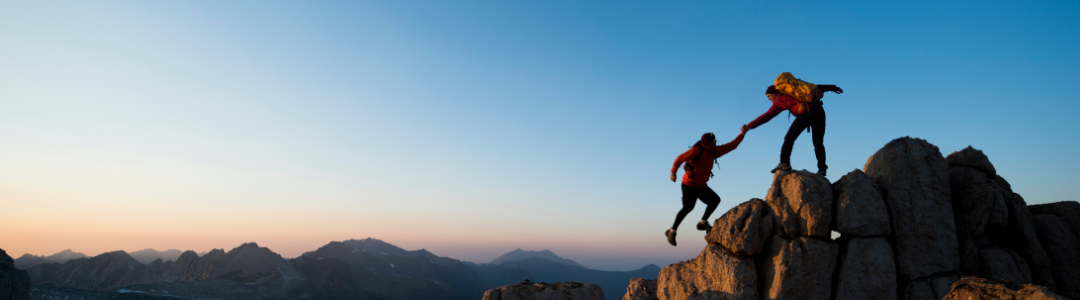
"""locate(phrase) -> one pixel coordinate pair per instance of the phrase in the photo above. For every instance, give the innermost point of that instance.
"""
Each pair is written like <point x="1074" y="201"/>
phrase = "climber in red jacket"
<point x="699" y="163"/>
<point x="813" y="117"/>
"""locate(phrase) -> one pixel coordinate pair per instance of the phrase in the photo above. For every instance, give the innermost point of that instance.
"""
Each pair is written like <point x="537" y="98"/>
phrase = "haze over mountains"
<point x="352" y="269"/>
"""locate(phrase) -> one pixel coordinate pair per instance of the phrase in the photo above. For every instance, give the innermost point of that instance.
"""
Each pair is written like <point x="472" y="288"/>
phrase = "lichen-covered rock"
<point x="714" y="274"/>
<point x="914" y="180"/>
<point x="866" y="270"/>
<point x="969" y="157"/>
<point x="800" y="268"/>
<point x="743" y="229"/>
<point x="969" y="288"/>
<point x="860" y="211"/>
<point x="976" y="201"/>
<point x="546" y="291"/>
<point x="801" y="203"/>
<point x="641" y="289"/>
<point x="1060" y="242"/>
<point x="1003" y="264"/>
<point x="14" y="283"/>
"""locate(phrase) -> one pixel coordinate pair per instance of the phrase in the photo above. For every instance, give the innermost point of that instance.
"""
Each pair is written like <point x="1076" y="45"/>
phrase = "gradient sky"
<point x="472" y="128"/>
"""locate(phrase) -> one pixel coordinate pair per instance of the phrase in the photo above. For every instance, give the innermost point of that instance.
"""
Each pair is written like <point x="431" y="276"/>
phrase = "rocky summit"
<point x="913" y="225"/>
<point x="546" y="291"/>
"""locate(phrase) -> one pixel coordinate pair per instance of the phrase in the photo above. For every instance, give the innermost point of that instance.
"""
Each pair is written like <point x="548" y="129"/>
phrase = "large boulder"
<point x="1020" y="237"/>
<point x="968" y="288"/>
<point x="14" y="283"/>
<point x="802" y="203"/>
<point x="546" y="291"/>
<point x="1003" y="264"/>
<point x="970" y="157"/>
<point x="714" y="274"/>
<point x="914" y="180"/>
<point x="860" y="211"/>
<point x="743" y="229"/>
<point x="976" y="201"/>
<point x="1067" y="211"/>
<point x="929" y="288"/>
<point x="1061" y="245"/>
<point x="866" y="270"/>
<point x="801" y="268"/>
<point x="641" y="289"/>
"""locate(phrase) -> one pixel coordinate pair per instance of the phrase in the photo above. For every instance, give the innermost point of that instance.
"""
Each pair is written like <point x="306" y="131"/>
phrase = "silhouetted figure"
<point x="699" y="162"/>
<point x="808" y="115"/>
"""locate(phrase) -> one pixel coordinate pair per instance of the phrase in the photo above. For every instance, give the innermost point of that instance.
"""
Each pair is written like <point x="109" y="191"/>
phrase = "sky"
<point x="473" y="128"/>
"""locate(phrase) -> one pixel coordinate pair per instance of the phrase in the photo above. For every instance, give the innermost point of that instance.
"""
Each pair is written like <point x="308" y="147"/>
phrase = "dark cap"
<point x="772" y="90"/>
<point x="708" y="136"/>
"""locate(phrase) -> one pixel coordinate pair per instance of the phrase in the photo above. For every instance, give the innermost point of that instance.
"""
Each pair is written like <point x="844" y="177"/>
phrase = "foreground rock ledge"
<point x="641" y="289"/>
<point x="982" y="288"/>
<point x="546" y="291"/>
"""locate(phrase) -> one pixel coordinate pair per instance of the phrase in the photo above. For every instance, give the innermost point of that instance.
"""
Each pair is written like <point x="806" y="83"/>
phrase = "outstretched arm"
<point x="776" y="109"/>
<point x="830" y="88"/>
<point x="725" y="148"/>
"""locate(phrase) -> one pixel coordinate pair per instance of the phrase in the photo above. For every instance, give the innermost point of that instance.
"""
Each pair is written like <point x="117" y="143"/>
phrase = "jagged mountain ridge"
<point x="148" y="255"/>
<point x="352" y="269"/>
<point x="29" y="260"/>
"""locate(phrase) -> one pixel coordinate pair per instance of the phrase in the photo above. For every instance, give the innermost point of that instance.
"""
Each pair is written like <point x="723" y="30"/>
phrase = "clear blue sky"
<point x="474" y="128"/>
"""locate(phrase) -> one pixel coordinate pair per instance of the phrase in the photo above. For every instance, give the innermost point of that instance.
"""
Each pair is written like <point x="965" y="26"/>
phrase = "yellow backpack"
<point x="804" y="91"/>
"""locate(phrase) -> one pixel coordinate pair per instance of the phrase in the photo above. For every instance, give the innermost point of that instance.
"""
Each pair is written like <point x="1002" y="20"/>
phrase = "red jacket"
<point x="703" y="165"/>
<point x="783" y="102"/>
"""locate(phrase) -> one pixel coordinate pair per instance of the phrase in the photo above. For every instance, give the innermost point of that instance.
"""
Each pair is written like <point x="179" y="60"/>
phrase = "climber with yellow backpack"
<point x="802" y="99"/>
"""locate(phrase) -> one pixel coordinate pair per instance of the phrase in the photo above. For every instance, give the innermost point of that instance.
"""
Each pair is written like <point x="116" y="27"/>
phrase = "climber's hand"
<point x="745" y="128"/>
<point x="672" y="177"/>
<point x="839" y="90"/>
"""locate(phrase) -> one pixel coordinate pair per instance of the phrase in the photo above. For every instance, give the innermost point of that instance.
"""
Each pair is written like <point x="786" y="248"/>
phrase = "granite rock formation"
<point x="546" y="291"/>
<point x="914" y="179"/>
<point x="866" y="269"/>
<point x="981" y="288"/>
<point x="913" y="225"/>
<point x="641" y="289"/>
<point x="801" y="203"/>
<point x="860" y="210"/>
<point x="744" y="229"/>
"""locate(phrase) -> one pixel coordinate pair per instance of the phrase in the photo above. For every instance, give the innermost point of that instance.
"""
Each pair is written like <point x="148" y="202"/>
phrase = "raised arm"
<point x="725" y="148"/>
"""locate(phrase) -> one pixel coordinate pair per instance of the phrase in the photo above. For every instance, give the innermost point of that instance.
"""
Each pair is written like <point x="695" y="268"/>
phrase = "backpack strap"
<point x="690" y="167"/>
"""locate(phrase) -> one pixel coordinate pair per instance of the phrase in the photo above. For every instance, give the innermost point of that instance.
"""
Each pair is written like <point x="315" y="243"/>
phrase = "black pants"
<point x="815" y="119"/>
<point x="690" y="195"/>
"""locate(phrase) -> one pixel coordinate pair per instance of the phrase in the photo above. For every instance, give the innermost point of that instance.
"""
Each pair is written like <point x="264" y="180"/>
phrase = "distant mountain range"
<point x="27" y="260"/>
<point x="147" y="256"/>
<point x="352" y="269"/>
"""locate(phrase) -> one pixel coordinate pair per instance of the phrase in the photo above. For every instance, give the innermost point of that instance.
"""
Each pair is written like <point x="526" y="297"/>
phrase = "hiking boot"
<point x="821" y="172"/>
<point x="703" y="225"/>
<point x="670" y="233"/>
<point x="781" y="167"/>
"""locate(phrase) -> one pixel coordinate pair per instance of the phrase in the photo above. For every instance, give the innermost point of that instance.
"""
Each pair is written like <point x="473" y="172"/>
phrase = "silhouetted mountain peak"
<point x="148" y="255"/>
<point x="519" y="254"/>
